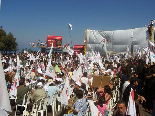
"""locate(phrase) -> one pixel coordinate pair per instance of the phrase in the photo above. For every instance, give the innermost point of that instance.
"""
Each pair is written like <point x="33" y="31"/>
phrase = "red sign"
<point x="56" y="40"/>
<point x="78" y="49"/>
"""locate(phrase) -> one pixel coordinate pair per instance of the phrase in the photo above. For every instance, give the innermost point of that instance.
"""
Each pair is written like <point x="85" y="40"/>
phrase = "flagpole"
<point x="85" y="47"/>
<point x="69" y="35"/>
<point x="70" y="28"/>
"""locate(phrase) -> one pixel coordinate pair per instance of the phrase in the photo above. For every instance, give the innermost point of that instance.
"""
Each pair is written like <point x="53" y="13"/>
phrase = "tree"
<point x="2" y="38"/>
<point x="22" y="51"/>
<point x="30" y="50"/>
<point x="7" y="42"/>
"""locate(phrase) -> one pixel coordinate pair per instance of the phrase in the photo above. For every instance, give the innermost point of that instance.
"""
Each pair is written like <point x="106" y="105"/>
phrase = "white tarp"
<point x="117" y="40"/>
<point x="95" y="41"/>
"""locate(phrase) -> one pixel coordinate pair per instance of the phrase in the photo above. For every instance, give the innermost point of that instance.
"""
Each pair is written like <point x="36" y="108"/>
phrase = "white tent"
<point x="117" y="40"/>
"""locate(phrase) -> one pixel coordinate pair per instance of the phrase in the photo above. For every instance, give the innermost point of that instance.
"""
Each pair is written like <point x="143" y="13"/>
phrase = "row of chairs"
<point x="56" y="105"/>
<point x="40" y="106"/>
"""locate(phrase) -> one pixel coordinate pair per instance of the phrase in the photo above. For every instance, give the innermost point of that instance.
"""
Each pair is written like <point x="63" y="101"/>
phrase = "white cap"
<point x="40" y="84"/>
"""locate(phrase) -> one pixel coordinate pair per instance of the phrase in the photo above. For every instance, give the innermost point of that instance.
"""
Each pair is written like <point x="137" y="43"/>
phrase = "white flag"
<point x="71" y="52"/>
<point x="50" y="53"/>
<point x="17" y="76"/>
<point x="69" y="26"/>
<point x="50" y="72"/>
<point x="13" y="90"/>
<point x="4" y="98"/>
<point x="77" y="74"/>
<point x="65" y="95"/>
<point x="10" y="61"/>
<point x="131" y="110"/>
<point x="152" y="55"/>
<point x="94" y="110"/>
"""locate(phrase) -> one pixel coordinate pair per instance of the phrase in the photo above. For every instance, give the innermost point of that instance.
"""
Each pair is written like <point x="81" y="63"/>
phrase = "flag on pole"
<point x="51" y="50"/>
<point x="131" y="110"/>
<point x="0" y="5"/>
<point x="18" y="71"/>
<point x="77" y="74"/>
<point x="49" y="70"/>
<point x="64" y="97"/>
<point x="4" y="97"/>
<point x="13" y="90"/>
<point x="70" y="26"/>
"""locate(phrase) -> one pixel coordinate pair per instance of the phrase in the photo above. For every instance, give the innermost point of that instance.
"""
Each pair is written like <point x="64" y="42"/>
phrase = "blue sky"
<point x="30" y="20"/>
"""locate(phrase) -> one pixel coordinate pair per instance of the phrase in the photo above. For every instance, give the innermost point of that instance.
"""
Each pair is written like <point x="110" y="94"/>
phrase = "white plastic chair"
<point x="53" y="104"/>
<point x="43" y="107"/>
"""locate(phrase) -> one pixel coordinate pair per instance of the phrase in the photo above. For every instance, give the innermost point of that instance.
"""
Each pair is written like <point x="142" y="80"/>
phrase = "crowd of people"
<point x="49" y="74"/>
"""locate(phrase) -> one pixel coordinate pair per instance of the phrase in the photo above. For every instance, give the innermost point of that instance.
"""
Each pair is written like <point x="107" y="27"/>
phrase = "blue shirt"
<point x="52" y="90"/>
<point x="80" y="106"/>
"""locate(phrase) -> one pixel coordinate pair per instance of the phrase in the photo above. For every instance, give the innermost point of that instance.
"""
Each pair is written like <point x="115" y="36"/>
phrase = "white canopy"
<point x="117" y="40"/>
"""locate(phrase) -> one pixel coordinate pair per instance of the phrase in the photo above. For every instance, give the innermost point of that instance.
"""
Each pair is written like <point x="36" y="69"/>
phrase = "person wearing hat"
<point x="39" y="93"/>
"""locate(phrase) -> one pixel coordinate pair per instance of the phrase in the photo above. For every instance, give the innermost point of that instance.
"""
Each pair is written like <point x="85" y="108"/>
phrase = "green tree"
<point x="2" y="39"/>
<point x="25" y="49"/>
<point x="7" y="42"/>
<point x="22" y="51"/>
<point x="30" y="50"/>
